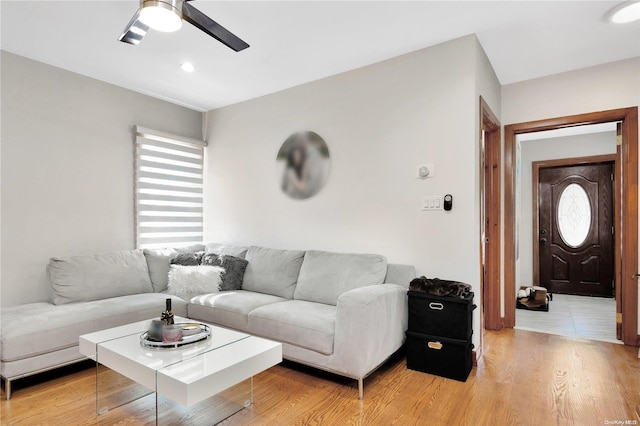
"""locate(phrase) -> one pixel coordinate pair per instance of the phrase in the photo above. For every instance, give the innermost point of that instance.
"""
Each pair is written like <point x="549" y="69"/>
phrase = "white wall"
<point x="379" y="122"/>
<point x="549" y="149"/>
<point x="67" y="168"/>
<point x="603" y="87"/>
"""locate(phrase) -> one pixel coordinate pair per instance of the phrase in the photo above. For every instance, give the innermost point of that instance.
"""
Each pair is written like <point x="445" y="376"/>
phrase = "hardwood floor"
<point x="525" y="378"/>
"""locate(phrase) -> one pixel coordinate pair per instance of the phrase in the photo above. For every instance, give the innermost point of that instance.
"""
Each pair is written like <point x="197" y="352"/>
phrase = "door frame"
<point x="490" y="265"/>
<point x="576" y="161"/>
<point x="628" y="201"/>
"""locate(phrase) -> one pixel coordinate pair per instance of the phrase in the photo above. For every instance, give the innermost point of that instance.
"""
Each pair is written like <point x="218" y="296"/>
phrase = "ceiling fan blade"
<point x="211" y="27"/>
<point x="134" y="31"/>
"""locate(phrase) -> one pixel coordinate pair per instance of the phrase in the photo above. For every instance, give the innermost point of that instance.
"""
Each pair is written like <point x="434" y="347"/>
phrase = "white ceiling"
<point x="294" y="42"/>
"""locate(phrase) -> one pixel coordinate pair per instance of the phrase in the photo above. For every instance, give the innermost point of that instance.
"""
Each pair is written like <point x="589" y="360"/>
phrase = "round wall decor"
<point x="303" y="164"/>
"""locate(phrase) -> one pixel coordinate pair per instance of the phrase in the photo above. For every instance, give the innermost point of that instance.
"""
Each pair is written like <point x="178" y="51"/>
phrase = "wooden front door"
<point x="576" y="229"/>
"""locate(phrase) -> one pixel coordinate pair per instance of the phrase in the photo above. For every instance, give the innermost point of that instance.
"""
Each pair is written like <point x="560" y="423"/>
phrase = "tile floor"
<point x="585" y="317"/>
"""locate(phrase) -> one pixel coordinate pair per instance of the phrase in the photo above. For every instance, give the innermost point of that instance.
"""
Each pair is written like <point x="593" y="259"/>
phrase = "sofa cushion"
<point x="45" y="361"/>
<point x="324" y="276"/>
<point x="159" y="261"/>
<point x="227" y="250"/>
<point x="234" y="268"/>
<point x="229" y="308"/>
<point x="272" y="271"/>
<point x="305" y="324"/>
<point x="99" y="276"/>
<point x="38" y="328"/>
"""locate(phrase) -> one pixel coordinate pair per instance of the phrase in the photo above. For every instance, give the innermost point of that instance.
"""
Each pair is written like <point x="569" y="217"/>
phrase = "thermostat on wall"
<point x="425" y="171"/>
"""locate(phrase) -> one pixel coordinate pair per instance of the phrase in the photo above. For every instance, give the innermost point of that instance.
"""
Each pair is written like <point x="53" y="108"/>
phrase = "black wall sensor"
<point x="448" y="202"/>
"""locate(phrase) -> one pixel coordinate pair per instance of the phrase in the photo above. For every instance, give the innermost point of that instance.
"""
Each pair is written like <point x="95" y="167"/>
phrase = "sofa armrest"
<point x="370" y="326"/>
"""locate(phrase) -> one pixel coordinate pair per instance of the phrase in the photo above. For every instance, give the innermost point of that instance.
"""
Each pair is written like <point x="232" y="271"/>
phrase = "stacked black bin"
<point x="439" y="335"/>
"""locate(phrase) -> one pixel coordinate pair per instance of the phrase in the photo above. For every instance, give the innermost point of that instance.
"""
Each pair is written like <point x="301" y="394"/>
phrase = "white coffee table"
<point x="186" y="375"/>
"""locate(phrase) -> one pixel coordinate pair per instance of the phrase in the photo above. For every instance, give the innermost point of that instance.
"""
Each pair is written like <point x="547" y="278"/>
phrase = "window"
<point x="574" y="215"/>
<point x="168" y="189"/>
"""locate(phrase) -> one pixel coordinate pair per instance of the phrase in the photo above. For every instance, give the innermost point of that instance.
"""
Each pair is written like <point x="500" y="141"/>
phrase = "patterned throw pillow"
<point x="188" y="259"/>
<point x="234" y="268"/>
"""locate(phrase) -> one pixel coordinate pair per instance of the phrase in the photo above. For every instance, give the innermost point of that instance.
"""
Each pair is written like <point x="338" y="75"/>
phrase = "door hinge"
<point x="613" y="230"/>
<point x="618" y="139"/>
<point x="618" y="317"/>
<point x="612" y="178"/>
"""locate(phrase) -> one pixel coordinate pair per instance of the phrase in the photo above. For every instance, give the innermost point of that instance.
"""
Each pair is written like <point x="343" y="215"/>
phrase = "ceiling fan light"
<point x="627" y="12"/>
<point x="160" y="16"/>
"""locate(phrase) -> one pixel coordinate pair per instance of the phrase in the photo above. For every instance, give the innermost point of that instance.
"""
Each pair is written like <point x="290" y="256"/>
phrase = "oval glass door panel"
<point x="574" y="215"/>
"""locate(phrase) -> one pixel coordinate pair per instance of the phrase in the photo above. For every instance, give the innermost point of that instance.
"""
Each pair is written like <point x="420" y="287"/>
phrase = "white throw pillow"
<point x="201" y="279"/>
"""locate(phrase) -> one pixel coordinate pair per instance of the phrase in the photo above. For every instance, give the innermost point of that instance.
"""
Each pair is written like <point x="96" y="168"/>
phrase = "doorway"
<point x="625" y="215"/>
<point x="490" y="217"/>
<point x="571" y="252"/>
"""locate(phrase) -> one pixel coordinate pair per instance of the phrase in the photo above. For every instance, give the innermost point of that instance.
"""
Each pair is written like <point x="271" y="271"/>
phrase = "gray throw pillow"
<point x="234" y="268"/>
<point x="188" y="259"/>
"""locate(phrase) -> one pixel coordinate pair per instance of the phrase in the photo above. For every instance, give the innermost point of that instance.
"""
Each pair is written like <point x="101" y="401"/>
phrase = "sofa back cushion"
<point x="99" y="276"/>
<point x="159" y="262"/>
<point x="400" y="274"/>
<point x="324" y="276"/>
<point x="227" y="250"/>
<point x="272" y="271"/>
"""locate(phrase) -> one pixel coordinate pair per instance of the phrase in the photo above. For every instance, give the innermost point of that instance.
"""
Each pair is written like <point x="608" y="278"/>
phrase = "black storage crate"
<point x="450" y="358"/>
<point x="443" y="316"/>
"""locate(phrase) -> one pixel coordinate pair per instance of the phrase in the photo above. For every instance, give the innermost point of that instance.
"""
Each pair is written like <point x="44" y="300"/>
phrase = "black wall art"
<point x="303" y="164"/>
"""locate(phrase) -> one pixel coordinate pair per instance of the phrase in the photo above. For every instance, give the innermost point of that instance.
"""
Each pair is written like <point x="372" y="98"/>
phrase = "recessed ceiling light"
<point x="626" y="12"/>
<point x="188" y="67"/>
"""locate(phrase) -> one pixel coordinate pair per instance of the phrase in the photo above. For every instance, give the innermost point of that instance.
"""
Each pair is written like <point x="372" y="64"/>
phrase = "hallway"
<point x="592" y="318"/>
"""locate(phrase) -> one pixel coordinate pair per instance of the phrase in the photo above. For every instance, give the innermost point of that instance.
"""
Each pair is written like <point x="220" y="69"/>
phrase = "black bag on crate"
<point x="438" y="287"/>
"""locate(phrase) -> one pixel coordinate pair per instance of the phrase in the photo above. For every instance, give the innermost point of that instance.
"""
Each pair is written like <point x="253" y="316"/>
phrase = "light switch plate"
<point x="431" y="203"/>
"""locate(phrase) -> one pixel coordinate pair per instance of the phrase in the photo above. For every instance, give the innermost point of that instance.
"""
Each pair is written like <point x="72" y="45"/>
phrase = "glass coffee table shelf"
<point x="205" y="382"/>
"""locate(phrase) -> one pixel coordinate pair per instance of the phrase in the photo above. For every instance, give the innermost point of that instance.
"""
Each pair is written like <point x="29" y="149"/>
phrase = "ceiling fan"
<point x="167" y="16"/>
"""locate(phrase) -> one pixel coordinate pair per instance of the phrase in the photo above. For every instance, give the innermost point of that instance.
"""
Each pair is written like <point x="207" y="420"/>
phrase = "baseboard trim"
<point x="503" y="323"/>
<point x="476" y="355"/>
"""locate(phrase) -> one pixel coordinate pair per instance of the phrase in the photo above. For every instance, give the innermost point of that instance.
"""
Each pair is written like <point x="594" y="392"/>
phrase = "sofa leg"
<point x="360" y="389"/>
<point x="7" y="388"/>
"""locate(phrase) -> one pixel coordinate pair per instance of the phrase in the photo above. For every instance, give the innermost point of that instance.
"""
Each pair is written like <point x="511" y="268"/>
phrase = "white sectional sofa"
<point x="343" y="313"/>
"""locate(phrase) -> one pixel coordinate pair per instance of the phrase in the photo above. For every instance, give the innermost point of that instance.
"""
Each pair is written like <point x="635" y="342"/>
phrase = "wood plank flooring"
<point x="573" y="316"/>
<point x="525" y="378"/>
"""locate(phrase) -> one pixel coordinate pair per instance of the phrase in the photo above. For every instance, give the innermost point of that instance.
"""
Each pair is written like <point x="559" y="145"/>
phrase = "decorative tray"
<point x="203" y="334"/>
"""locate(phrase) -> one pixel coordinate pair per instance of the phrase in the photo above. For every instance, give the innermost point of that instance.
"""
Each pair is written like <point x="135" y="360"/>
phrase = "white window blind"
<point x="168" y="189"/>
